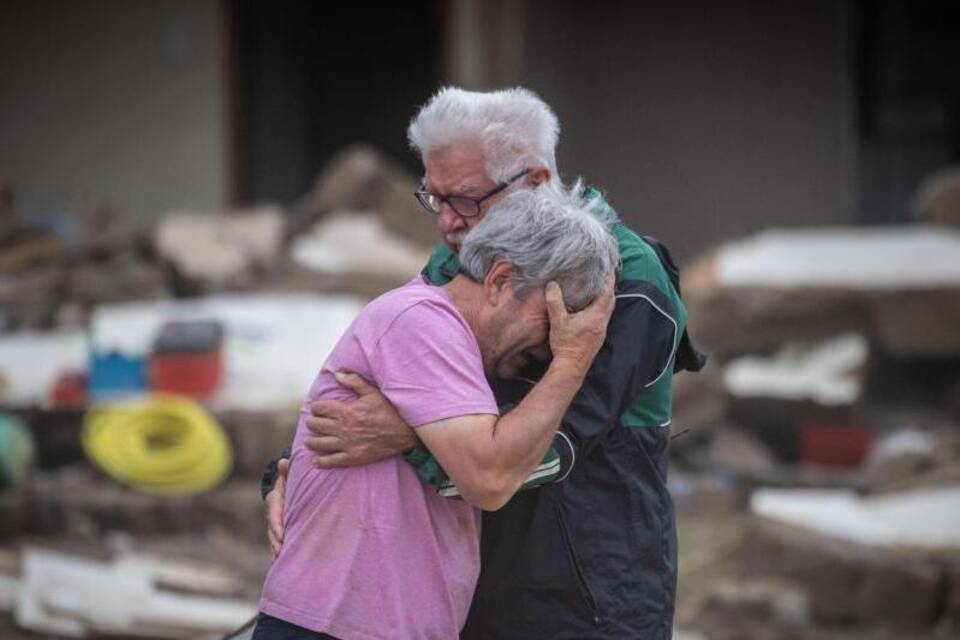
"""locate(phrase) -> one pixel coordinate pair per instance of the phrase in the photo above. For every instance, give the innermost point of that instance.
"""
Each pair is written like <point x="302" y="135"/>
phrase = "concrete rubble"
<point x="818" y="340"/>
<point x="70" y="595"/>
<point x="938" y="198"/>
<point x="215" y="250"/>
<point x="77" y="597"/>
<point x="341" y="244"/>
<point x="783" y="581"/>
<point x="360" y="178"/>
<point x="830" y="417"/>
<point x="804" y="285"/>
<point x="52" y="275"/>
<point x="284" y="282"/>
<point x="921" y="518"/>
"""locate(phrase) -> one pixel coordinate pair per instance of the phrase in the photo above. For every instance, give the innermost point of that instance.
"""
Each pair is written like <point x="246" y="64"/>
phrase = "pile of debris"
<point x="826" y="345"/>
<point x="126" y="594"/>
<point x="54" y="270"/>
<point x="101" y="305"/>
<point x="787" y="581"/>
<point x="831" y="410"/>
<point x="237" y="310"/>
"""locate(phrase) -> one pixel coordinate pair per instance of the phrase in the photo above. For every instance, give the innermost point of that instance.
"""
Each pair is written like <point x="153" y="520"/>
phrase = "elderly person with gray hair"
<point x="372" y="552"/>
<point x="587" y="550"/>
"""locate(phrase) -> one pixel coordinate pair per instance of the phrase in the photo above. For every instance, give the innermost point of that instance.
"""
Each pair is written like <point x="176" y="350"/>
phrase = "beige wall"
<point x="120" y="101"/>
<point x="702" y="120"/>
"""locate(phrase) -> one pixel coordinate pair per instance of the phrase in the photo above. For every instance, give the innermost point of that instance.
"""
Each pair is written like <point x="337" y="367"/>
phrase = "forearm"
<point x="517" y="442"/>
<point x="556" y="465"/>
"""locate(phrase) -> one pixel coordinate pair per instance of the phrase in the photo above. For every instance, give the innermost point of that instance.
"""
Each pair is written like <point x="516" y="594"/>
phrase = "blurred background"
<point x="197" y="196"/>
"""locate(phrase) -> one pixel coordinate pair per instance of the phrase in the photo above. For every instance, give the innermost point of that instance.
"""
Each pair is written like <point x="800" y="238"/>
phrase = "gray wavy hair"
<point x="548" y="233"/>
<point x="514" y="128"/>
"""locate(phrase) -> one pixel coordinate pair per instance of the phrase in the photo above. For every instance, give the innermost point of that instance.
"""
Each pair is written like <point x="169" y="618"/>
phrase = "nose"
<point x="449" y="220"/>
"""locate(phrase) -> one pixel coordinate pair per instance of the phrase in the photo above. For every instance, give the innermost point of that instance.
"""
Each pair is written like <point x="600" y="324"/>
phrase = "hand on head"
<point x="577" y="337"/>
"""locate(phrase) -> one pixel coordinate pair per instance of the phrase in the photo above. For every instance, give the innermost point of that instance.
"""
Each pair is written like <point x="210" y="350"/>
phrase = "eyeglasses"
<point x="463" y="205"/>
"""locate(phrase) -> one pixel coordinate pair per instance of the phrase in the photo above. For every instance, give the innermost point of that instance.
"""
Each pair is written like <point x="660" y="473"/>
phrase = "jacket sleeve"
<point x="556" y="464"/>
<point x="638" y="351"/>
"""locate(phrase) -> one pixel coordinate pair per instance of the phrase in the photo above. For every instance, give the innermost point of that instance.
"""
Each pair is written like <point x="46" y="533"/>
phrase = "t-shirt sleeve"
<point x="428" y="364"/>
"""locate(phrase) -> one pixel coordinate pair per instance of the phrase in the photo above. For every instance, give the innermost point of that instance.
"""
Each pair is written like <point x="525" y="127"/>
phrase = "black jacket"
<point x="594" y="556"/>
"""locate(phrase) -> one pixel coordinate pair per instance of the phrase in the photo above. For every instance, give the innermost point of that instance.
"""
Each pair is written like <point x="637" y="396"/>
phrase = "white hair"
<point x="549" y="233"/>
<point x="514" y="128"/>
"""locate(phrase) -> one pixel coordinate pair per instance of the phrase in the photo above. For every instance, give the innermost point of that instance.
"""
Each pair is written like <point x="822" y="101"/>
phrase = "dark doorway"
<point x="313" y="77"/>
<point x="908" y="70"/>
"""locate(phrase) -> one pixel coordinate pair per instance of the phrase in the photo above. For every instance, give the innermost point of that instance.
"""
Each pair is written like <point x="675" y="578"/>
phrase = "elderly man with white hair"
<point x="588" y="551"/>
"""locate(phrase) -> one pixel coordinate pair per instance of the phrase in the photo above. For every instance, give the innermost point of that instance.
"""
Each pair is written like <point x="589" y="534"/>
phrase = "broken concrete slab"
<point x="360" y="178"/>
<point x="797" y="386"/>
<point x="884" y="258"/>
<point x="341" y="243"/>
<point x="76" y="596"/>
<point x="797" y="285"/>
<point x="922" y="518"/>
<point x="846" y="584"/>
<point x="220" y="249"/>
<point x="827" y="372"/>
<point x="732" y="322"/>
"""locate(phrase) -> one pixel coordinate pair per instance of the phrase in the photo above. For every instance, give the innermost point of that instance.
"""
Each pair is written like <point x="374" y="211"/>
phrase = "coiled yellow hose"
<point x="164" y="444"/>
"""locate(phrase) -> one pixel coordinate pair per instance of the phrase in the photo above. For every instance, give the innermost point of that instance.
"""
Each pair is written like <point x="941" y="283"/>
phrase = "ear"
<point x="498" y="284"/>
<point x="538" y="176"/>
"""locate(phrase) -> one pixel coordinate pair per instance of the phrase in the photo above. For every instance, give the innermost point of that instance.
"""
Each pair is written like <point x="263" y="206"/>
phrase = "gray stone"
<point x="846" y="584"/>
<point x="360" y="178"/>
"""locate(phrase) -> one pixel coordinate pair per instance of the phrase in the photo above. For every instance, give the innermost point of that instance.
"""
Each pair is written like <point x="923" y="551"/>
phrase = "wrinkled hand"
<point x="358" y="432"/>
<point x="577" y="337"/>
<point x="273" y="507"/>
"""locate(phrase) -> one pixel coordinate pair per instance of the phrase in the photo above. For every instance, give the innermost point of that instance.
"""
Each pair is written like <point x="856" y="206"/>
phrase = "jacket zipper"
<point x="585" y="592"/>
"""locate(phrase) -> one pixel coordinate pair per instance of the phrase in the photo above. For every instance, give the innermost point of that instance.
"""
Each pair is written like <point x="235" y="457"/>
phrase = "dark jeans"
<point x="270" y="628"/>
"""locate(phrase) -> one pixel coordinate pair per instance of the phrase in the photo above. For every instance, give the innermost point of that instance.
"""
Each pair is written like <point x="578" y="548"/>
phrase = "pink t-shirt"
<point x="371" y="552"/>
